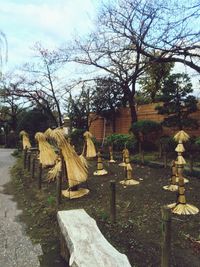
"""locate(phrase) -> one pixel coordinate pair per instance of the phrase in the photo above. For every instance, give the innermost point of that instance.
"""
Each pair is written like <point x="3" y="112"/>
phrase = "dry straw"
<point x="76" y="171"/>
<point x="47" y="156"/>
<point x="25" y="140"/>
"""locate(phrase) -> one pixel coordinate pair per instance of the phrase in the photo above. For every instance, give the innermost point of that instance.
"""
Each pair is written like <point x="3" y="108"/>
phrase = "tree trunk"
<point x="132" y="108"/>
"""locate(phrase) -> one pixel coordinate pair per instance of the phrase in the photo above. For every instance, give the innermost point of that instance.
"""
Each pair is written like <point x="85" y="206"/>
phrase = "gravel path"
<point x="16" y="249"/>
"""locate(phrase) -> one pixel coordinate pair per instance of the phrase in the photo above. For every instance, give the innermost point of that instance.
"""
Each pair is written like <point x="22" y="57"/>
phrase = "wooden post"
<point x="59" y="188"/>
<point x="191" y="163"/>
<point x="25" y="156"/>
<point x="165" y="159"/>
<point x="166" y="236"/>
<point x="113" y="201"/>
<point x="33" y="168"/>
<point x="160" y="149"/>
<point x="63" y="170"/>
<point x="142" y="156"/>
<point x="140" y="147"/>
<point x="40" y="177"/>
<point x="29" y="161"/>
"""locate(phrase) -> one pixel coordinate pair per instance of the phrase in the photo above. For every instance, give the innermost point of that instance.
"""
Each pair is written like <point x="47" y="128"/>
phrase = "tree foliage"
<point x="154" y="77"/>
<point x="178" y="102"/>
<point x="133" y="34"/>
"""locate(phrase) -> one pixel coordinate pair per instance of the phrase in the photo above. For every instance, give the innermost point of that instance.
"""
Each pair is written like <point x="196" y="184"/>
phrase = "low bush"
<point x="119" y="141"/>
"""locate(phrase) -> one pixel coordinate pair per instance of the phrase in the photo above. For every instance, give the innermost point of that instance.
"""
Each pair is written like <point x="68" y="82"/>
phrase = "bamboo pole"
<point x="113" y="201"/>
<point x="166" y="236"/>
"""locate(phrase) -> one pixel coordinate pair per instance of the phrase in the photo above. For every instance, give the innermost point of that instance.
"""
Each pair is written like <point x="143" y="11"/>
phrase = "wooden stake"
<point x="142" y="156"/>
<point x="160" y="149"/>
<point x="191" y="163"/>
<point x="25" y="156"/>
<point x="113" y="201"/>
<point x="59" y="188"/>
<point x="165" y="159"/>
<point x="33" y="168"/>
<point x="40" y="177"/>
<point x="29" y="162"/>
<point x="166" y="236"/>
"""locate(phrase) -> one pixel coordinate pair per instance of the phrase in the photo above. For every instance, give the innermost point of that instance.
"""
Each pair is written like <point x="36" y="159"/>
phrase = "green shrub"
<point x="197" y="141"/>
<point x="119" y="141"/>
<point x="145" y="127"/>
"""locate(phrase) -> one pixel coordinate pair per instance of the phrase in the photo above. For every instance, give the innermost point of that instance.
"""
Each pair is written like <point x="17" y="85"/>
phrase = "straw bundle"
<point x="181" y="136"/>
<point x="76" y="170"/>
<point x="25" y="140"/>
<point x="183" y="209"/>
<point x="53" y="173"/>
<point x="48" y="132"/>
<point x="90" y="148"/>
<point x="47" y="156"/>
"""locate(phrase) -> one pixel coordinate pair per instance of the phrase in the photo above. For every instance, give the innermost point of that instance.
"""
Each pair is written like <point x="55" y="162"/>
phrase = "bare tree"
<point x="40" y="84"/>
<point x="132" y="34"/>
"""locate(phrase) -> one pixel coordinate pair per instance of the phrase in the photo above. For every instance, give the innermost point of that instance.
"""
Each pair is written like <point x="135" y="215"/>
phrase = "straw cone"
<point x="181" y="136"/>
<point x="124" y="151"/>
<point x="128" y="171"/>
<point x="25" y="140"/>
<point x="100" y="170"/>
<point x="47" y="156"/>
<point x="90" y="148"/>
<point x="181" y="207"/>
<point x="76" y="171"/>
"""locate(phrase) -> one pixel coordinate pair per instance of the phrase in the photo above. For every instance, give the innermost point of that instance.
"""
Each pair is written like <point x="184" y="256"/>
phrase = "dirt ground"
<point x="137" y="232"/>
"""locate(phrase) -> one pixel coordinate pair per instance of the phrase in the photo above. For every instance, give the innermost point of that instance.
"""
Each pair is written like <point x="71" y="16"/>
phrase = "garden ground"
<point x="137" y="232"/>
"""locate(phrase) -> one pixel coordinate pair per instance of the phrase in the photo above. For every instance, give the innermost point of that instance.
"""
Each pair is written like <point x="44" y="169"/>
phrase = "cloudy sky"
<point x="51" y="22"/>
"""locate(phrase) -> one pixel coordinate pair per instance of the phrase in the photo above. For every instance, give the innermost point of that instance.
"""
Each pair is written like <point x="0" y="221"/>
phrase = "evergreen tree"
<point x="178" y="102"/>
<point x="155" y="75"/>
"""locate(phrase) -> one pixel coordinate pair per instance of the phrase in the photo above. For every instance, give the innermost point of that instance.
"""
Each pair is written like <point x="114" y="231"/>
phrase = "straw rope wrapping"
<point x="25" y="139"/>
<point x="76" y="170"/>
<point x="47" y="155"/>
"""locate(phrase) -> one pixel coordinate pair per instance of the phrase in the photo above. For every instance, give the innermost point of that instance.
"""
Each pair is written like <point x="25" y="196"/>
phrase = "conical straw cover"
<point x="181" y="136"/>
<point x="180" y="148"/>
<point x="25" y="139"/>
<point x="180" y="160"/>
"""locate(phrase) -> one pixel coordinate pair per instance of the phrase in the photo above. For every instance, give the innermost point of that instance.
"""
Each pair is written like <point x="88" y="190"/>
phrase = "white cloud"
<point x="51" y="22"/>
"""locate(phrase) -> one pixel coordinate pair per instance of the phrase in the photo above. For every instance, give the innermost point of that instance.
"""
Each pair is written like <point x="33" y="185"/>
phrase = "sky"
<point x="51" y="22"/>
